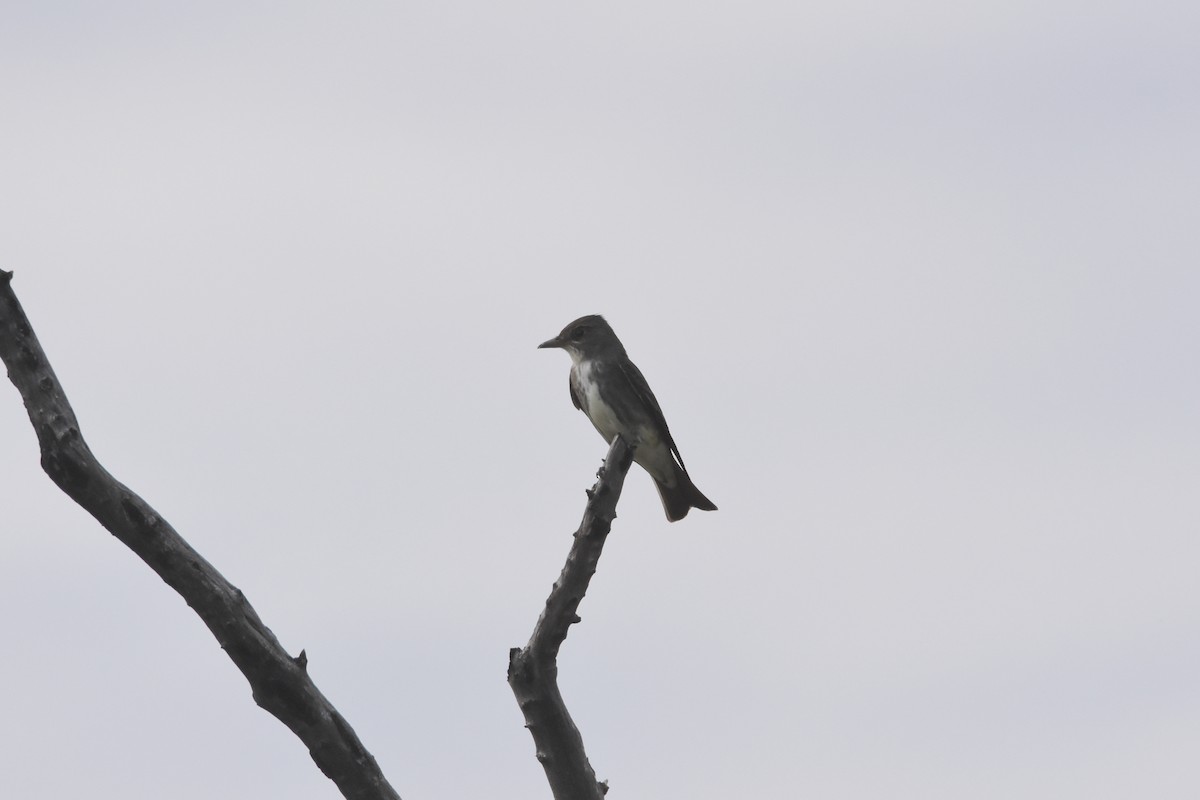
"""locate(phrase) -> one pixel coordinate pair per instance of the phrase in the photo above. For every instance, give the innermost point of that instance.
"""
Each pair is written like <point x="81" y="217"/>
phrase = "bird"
<point x="607" y="387"/>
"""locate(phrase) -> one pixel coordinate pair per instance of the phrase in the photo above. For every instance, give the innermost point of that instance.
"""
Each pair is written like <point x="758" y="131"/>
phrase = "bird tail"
<point x="681" y="498"/>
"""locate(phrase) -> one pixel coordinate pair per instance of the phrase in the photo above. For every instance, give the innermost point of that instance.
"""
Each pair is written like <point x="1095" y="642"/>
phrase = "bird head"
<point x="585" y="338"/>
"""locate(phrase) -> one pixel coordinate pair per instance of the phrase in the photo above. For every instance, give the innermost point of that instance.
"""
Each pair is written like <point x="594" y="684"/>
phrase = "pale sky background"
<point x="916" y="285"/>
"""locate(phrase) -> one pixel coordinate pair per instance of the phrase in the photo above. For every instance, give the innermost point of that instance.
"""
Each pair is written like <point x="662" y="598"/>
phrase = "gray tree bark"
<point x="533" y="669"/>
<point x="280" y="683"/>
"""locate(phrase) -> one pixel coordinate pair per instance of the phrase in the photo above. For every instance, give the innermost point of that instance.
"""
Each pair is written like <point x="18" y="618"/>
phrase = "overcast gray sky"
<point x="916" y="285"/>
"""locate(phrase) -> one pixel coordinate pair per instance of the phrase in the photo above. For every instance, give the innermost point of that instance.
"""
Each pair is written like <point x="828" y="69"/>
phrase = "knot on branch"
<point x="145" y="523"/>
<point x="28" y="356"/>
<point x="514" y="663"/>
<point x="65" y="470"/>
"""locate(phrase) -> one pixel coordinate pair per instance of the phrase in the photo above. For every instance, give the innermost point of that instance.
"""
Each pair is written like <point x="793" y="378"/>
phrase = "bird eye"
<point x="577" y="334"/>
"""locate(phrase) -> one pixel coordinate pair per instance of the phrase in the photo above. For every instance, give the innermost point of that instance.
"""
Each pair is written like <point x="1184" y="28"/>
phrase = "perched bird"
<point x="607" y="387"/>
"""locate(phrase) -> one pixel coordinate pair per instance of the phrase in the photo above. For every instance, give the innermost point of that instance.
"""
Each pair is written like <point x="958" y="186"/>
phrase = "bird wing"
<point x="633" y="376"/>
<point x="574" y="394"/>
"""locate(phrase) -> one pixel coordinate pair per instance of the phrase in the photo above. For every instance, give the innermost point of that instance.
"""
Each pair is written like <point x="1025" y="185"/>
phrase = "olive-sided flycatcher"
<point x="607" y="387"/>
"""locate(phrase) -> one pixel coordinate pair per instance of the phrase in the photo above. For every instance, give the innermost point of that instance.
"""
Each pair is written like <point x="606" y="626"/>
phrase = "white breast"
<point x="599" y="412"/>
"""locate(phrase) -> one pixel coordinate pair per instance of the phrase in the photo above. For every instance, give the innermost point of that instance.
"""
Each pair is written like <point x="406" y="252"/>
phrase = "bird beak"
<point x="550" y="343"/>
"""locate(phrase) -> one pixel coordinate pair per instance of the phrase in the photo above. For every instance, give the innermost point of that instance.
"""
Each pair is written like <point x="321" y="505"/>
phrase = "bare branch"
<point x="280" y="683"/>
<point x="533" y="670"/>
